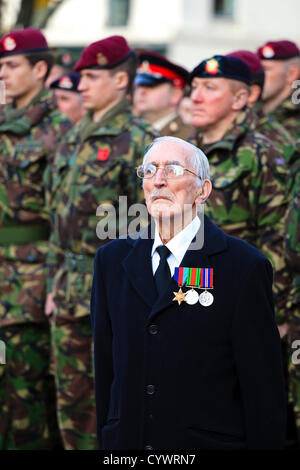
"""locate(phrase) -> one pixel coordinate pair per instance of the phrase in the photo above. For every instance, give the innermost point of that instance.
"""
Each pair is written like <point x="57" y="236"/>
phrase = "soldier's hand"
<point x="283" y="329"/>
<point x="49" y="305"/>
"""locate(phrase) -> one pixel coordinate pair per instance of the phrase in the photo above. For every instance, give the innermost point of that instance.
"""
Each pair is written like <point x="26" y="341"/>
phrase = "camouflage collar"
<point x="21" y="121"/>
<point x="112" y="123"/>
<point x="286" y="108"/>
<point x="244" y="122"/>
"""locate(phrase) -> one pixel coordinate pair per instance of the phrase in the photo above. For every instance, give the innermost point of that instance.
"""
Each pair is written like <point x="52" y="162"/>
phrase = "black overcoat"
<point x="172" y="376"/>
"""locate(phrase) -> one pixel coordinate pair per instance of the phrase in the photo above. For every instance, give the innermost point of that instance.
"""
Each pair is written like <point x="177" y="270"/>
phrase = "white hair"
<point x="198" y="159"/>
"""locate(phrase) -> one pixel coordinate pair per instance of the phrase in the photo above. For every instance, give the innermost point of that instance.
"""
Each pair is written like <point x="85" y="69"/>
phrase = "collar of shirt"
<point x="178" y="245"/>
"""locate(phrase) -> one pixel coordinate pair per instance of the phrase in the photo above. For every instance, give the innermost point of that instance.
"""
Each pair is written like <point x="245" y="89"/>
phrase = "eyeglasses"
<point x="170" y="171"/>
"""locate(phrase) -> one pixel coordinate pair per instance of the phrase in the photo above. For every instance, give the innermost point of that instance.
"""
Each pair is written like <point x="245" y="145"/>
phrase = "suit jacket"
<point x="172" y="376"/>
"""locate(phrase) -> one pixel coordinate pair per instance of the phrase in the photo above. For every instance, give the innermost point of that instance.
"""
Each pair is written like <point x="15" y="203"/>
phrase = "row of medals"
<point x="191" y="297"/>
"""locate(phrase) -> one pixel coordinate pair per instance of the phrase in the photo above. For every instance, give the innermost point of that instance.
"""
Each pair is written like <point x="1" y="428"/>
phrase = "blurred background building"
<point x="187" y="31"/>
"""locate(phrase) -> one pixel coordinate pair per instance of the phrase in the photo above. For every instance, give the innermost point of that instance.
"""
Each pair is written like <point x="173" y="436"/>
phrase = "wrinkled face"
<point x="70" y="104"/>
<point x="18" y="75"/>
<point x="98" y="89"/>
<point x="166" y="198"/>
<point x="275" y="78"/>
<point x="152" y="99"/>
<point x="212" y="101"/>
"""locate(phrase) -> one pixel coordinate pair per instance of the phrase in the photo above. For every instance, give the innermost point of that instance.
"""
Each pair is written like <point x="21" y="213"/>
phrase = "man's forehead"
<point x="13" y="58"/>
<point x="166" y="152"/>
<point x="199" y="80"/>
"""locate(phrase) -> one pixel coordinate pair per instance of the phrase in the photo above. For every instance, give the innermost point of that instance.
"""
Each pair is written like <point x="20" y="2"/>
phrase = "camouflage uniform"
<point x="248" y="198"/>
<point x="28" y="138"/>
<point x="288" y="115"/>
<point x="277" y="134"/>
<point x="293" y="259"/>
<point x="94" y="165"/>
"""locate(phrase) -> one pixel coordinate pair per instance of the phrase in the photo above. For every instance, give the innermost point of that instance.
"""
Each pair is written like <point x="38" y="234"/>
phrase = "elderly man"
<point x="187" y="352"/>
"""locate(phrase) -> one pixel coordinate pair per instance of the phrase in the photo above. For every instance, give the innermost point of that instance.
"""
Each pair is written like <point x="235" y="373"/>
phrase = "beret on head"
<point x="67" y="82"/>
<point x="65" y="59"/>
<point x="154" y="69"/>
<point x="220" y="66"/>
<point x="23" y="41"/>
<point x="254" y="63"/>
<point x="104" y="54"/>
<point x="278" y="50"/>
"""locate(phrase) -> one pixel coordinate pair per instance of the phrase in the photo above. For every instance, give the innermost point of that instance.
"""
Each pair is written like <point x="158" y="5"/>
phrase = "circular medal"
<point x="191" y="297"/>
<point x="206" y="299"/>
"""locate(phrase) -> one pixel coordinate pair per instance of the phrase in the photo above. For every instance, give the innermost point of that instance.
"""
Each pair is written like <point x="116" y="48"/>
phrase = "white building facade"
<point x="186" y="30"/>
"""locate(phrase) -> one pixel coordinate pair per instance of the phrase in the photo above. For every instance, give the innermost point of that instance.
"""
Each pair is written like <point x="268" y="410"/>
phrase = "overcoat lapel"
<point x="138" y="267"/>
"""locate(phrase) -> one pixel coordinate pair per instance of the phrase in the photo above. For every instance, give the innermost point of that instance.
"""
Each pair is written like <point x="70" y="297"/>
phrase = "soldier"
<point x="30" y="128"/>
<point x="248" y="198"/>
<point x="292" y="245"/>
<point x="159" y="88"/>
<point x="63" y="63"/>
<point x="93" y="166"/>
<point x="265" y="124"/>
<point x="281" y="61"/>
<point x="69" y="100"/>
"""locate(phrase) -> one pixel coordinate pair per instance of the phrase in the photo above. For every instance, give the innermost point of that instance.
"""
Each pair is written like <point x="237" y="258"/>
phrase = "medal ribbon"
<point x="195" y="277"/>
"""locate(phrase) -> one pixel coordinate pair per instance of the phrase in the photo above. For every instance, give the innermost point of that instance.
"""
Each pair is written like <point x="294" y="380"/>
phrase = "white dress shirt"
<point x="178" y="246"/>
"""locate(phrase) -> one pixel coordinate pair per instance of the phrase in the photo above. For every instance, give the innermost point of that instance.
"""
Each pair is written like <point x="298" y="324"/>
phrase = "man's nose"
<point x="81" y="85"/>
<point x="196" y="95"/>
<point x="160" y="178"/>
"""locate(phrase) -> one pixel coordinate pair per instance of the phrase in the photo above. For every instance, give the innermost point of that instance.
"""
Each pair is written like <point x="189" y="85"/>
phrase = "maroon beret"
<point x="154" y="69"/>
<point x="251" y="59"/>
<point x="278" y="50"/>
<point x="23" y="41"/>
<point x="104" y="54"/>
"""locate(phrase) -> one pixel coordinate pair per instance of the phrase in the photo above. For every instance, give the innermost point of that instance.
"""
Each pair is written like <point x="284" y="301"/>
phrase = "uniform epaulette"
<point x="145" y="126"/>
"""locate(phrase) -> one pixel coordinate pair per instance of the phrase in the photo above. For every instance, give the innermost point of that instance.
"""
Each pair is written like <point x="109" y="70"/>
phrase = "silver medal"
<point x="206" y="299"/>
<point x="191" y="297"/>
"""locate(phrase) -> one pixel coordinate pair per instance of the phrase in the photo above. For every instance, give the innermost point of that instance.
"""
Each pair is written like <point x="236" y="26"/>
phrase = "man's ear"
<point x="177" y="94"/>
<point x="121" y="80"/>
<point x="204" y="192"/>
<point x="40" y="69"/>
<point x="240" y="99"/>
<point x="255" y="91"/>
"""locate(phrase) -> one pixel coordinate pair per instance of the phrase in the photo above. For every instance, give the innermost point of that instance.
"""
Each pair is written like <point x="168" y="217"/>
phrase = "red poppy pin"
<point x="102" y="154"/>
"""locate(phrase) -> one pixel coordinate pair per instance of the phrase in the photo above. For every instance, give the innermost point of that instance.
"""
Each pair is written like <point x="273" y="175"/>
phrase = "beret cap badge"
<point x="65" y="82"/>
<point x="212" y="66"/>
<point x="9" y="43"/>
<point x="268" y="52"/>
<point x="101" y="59"/>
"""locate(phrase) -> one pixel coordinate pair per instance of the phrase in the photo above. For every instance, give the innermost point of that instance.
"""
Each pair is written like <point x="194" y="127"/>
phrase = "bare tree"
<point x="35" y="13"/>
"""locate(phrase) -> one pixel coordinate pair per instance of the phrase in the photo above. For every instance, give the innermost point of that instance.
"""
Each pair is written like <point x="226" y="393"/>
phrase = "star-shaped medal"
<point x="179" y="296"/>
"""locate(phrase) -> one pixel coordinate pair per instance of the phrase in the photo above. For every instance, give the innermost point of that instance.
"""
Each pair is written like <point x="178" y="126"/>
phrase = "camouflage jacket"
<point x="277" y="134"/>
<point x="94" y="166"/>
<point x="288" y="115"/>
<point x="249" y="194"/>
<point x="28" y="139"/>
<point x="292" y="242"/>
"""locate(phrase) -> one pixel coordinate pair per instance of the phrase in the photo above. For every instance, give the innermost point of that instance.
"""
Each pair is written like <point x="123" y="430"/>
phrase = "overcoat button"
<point x="150" y="389"/>
<point x="153" y="329"/>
